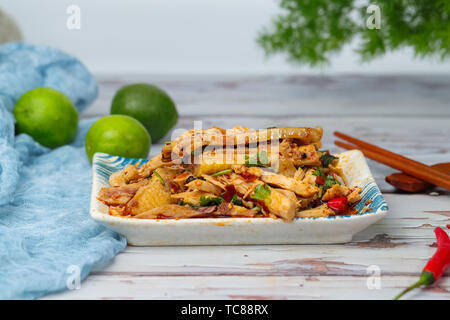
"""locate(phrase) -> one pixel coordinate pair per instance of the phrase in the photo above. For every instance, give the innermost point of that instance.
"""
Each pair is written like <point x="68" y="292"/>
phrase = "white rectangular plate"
<point x="226" y="231"/>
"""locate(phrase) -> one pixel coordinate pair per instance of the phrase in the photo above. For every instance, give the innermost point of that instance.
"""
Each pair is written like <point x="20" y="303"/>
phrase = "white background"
<point x="179" y="36"/>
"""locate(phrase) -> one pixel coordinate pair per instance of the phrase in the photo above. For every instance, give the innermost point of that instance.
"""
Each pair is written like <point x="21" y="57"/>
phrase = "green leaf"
<point x="210" y="201"/>
<point x="235" y="200"/>
<point x="320" y="192"/>
<point x="329" y="182"/>
<point x="311" y="32"/>
<point x="220" y="173"/>
<point x="183" y="203"/>
<point x="261" y="192"/>
<point x="318" y="172"/>
<point x="327" y="159"/>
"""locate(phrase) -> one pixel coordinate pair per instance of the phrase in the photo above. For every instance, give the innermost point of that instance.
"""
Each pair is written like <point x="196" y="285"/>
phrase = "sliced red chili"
<point x="248" y="177"/>
<point x="174" y="187"/>
<point x="320" y="180"/>
<point x="338" y="205"/>
<point x="230" y="190"/>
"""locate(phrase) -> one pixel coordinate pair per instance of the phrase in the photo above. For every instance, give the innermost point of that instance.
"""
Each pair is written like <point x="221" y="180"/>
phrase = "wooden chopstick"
<point x="390" y="154"/>
<point x="409" y="166"/>
<point x="376" y="149"/>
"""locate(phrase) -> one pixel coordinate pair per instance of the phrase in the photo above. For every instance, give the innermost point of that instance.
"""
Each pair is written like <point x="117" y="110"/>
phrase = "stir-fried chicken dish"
<point x="239" y="172"/>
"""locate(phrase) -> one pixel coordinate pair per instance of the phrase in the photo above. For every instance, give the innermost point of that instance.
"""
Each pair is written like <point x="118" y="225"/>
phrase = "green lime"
<point x="48" y="116"/>
<point x="150" y="105"/>
<point x="118" y="135"/>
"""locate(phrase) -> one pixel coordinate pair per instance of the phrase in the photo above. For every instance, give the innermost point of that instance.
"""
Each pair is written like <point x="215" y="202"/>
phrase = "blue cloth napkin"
<point x="47" y="237"/>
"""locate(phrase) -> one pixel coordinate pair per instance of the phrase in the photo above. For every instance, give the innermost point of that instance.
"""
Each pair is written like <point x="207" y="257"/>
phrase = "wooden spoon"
<point x="409" y="183"/>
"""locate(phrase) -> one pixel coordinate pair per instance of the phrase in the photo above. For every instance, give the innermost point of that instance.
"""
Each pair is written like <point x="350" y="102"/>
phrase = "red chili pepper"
<point x="338" y="204"/>
<point x="248" y="177"/>
<point x="436" y="266"/>
<point x="230" y="191"/>
<point x="174" y="186"/>
<point x="320" y="180"/>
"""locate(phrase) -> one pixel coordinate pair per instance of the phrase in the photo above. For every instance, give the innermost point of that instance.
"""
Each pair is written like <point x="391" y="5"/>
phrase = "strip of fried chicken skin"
<point x="170" y="211"/>
<point x="115" y="196"/>
<point x="194" y="139"/>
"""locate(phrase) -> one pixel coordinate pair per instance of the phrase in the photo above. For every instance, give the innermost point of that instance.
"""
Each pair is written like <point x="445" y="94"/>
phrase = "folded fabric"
<point x="47" y="238"/>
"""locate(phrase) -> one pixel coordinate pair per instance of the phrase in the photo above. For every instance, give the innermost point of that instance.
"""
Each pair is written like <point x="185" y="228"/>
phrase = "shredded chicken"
<point x="354" y="196"/>
<point x="299" y="155"/>
<point x="276" y="173"/>
<point x="336" y="191"/>
<point x="281" y="205"/>
<point x="204" y="186"/>
<point x="320" y="211"/>
<point x="300" y="188"/>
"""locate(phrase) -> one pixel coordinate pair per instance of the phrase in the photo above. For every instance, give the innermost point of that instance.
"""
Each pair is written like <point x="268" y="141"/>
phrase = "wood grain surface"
<point x="409" y="115"/>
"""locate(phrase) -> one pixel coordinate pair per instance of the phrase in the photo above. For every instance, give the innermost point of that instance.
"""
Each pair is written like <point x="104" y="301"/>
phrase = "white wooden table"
<point x="406" y="114"/>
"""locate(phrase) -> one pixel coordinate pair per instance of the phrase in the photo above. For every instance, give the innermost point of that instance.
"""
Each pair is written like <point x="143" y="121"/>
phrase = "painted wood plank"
<point x="259" y="287"/>
<point x="338" y="95"/>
